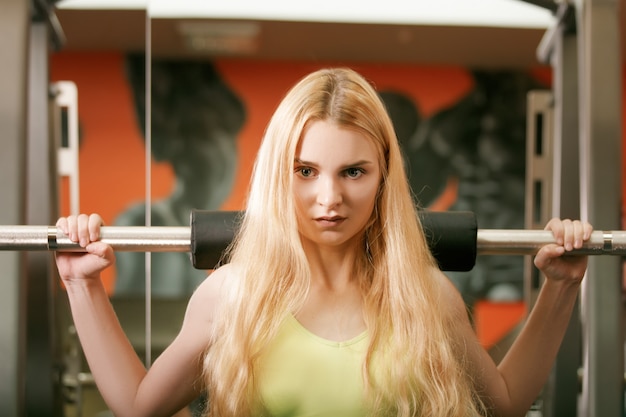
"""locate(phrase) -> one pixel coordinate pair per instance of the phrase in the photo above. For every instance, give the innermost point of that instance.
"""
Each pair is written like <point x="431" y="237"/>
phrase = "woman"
<point x="330" y="303"/>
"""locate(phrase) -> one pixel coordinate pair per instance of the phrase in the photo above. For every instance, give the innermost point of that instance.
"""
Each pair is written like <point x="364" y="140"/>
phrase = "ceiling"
<point x="479" y="47"/>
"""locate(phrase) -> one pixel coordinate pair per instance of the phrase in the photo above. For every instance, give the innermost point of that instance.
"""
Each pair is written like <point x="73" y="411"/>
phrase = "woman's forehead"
<point x="327" y="141"/>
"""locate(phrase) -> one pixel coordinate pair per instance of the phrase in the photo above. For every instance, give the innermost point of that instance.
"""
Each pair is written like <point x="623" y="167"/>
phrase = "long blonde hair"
<point x="411" y="366"/>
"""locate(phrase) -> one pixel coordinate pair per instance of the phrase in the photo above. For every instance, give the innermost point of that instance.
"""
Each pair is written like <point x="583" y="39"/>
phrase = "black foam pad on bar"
<point x="211" y="233"/>
<point x="451" y="236"/>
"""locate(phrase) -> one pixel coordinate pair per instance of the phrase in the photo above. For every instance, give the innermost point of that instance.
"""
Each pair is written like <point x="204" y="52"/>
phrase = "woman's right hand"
<point x="76" y="266"/>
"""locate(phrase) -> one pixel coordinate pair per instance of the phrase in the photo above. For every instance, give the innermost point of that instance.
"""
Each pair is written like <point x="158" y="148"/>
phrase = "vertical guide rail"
<point x="600" y="135"/>
<point x="14" y="20"/>
<point x="562" y="390"/>
<point x="148" y="141"/>
<point x="539" y="178"/>
<point x="43" y="387"/>
<point x="65" y="138"/>
<point x="559" y="49"/>
<point x="542" y="185"/>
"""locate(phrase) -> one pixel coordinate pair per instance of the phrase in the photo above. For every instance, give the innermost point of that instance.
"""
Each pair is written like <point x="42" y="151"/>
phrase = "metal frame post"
<point x="559" y="49"/>
<point x="14" y="23"/>
<point x="600" y="90"/>
<point x="43" y="387"/>
<point x="563" y="387"/>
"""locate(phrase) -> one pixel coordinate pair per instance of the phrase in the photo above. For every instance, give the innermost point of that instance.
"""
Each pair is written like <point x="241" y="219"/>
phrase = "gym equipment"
<point x="453" y="237"/>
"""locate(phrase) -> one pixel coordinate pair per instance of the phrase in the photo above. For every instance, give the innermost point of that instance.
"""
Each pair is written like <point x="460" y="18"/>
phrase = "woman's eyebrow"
<point x="303" y="162"/>
<point x="359" y="162"/>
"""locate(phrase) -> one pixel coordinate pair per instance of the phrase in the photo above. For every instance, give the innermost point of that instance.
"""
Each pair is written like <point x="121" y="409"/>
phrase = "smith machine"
<point x="573" y="170"/>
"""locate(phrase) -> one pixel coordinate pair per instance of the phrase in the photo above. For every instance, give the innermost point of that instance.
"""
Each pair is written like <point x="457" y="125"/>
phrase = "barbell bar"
<point x="453" y="237"/>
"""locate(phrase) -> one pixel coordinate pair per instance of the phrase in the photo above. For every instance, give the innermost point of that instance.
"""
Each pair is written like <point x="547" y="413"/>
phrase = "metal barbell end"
<point x="528" y="242"/>
<point x="121" y="238"/>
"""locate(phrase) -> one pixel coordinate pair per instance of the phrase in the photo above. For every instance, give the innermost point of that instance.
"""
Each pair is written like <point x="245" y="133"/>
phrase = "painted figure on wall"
<point x="196" y="118"/>
<point x="477" y="145"/>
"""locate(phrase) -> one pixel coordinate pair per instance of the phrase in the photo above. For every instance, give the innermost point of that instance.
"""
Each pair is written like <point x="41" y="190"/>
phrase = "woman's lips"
<point x="330" y="221"/>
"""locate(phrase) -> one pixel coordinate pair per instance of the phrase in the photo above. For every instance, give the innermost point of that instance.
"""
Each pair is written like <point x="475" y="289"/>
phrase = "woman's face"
<point x="336" y="179"/>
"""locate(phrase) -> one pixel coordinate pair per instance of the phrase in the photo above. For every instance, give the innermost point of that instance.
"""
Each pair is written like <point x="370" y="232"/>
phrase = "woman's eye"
<point x="354" y="172"/>
<point x="305" y="172"/>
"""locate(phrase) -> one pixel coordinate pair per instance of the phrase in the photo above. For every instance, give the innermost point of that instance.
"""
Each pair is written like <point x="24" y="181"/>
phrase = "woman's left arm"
<point x="510" y="388"/>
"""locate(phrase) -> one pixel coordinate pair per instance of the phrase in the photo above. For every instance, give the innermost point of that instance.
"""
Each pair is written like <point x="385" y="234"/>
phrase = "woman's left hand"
<point x="569" y="235"/>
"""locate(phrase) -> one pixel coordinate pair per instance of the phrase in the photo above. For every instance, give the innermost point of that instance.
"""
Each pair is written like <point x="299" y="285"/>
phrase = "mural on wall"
<point x="195" y="120"/>
<point x="477" y="145"/>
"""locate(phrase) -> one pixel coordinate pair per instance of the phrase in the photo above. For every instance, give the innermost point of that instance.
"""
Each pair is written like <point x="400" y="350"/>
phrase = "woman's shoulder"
<point x="449" y="294"/>
<point x="205" y="305"/>
<point x="218" y="286"/>
<point x="224" y="277"/>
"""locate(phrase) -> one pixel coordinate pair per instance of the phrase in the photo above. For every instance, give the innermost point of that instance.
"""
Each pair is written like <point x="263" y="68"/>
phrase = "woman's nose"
<point x="329" y="192"/>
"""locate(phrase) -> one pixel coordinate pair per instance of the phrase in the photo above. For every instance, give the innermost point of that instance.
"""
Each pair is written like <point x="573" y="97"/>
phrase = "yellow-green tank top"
<point x="303" y="375"/>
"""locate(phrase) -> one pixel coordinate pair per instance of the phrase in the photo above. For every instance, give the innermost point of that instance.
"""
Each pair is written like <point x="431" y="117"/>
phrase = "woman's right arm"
<point x="174" y="379"/>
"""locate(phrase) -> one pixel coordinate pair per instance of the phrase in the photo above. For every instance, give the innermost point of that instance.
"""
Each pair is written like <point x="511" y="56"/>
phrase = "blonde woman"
<point x="329" y="302"/>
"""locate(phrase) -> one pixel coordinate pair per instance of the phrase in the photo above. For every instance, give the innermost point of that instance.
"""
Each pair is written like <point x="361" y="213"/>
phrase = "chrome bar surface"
<point x="121" y="238"/>
<point x="528" y="242"/>
<point x="177" y="239"/>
